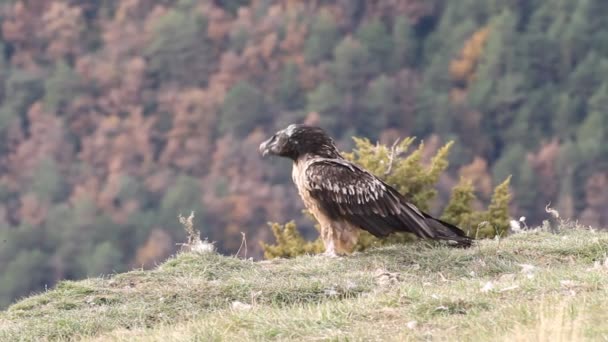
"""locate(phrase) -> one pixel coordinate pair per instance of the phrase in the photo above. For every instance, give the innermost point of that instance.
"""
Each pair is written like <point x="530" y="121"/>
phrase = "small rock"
<point x="202" y="247"/>
<point x="351" y="285"/>
<point x="331" y="292"/>
<point x="509" y="288"/>
<point x="385" y="278"/>
<point x="411" y="325"/>
<point x="528" y="270"/>
<point x="515" y="226"/>
<point x="442" y="308"/>
<point x="599" y="265"/>
<point x="507" y="277"/>
<point x="569" y="286"/>
<point x="568" y="283"/>
<point x="487" y="287"/>
<point x="236" y="305"/>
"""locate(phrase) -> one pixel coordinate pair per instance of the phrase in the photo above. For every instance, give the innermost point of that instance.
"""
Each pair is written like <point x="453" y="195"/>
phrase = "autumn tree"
<point x="243" y="109"/>
<point x="179" y="51"/>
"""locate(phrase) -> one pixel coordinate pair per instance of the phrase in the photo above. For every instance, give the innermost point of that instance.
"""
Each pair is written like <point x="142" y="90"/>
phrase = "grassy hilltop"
<point x="529" y="286"/>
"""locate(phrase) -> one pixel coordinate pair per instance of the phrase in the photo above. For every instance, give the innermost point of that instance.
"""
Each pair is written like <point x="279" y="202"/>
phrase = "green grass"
<point x="400" y="293"/>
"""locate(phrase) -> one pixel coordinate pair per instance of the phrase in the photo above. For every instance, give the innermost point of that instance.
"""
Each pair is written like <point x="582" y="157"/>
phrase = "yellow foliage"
<point x="498" y="211"/>
<point x="460" y="69"/>
<point x="463" y="68"/>
<point x="290" y="243"/>
<point x="459" y="210"/>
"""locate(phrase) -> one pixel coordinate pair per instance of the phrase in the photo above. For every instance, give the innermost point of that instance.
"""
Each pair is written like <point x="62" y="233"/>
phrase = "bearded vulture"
<point x="344" y="197"/>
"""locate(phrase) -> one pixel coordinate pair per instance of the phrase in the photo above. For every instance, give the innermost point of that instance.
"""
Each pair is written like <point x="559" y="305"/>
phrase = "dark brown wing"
<point x="345" y="191"/>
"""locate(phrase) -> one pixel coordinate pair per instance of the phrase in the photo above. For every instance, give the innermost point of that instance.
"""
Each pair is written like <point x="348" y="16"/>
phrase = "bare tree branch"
<point x="391" y="157"/>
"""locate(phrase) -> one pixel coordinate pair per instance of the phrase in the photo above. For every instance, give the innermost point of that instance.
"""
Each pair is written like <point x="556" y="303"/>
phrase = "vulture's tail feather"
<point x="447" y="231"/>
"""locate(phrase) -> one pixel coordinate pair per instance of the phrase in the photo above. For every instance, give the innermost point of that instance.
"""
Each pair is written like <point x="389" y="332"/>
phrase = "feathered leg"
<point x="327" y="234"/>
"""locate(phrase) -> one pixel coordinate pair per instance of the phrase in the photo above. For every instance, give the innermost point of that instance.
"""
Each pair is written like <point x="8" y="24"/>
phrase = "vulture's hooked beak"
<point x="265" y="147"/>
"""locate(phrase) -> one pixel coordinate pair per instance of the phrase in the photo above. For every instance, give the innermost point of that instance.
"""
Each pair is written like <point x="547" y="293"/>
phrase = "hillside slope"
<point x="528" y="286"/>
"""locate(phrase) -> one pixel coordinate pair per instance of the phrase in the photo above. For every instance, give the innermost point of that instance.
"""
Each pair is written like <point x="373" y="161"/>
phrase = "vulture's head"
<point x="297" y="140"/>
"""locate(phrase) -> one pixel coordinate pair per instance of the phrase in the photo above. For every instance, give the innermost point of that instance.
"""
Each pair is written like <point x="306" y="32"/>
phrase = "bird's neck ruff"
<point x="324" y="152"/>
<point x="317" y="143"/>
<point x="328" y="151"/>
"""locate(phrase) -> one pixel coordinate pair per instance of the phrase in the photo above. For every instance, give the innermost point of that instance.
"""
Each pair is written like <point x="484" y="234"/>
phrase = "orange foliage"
<point x="118" y="147"/>
<point x="21" y="27"/>
<point x="596" y="190"/>
<point x="544" y="164"/>
<point x="291" y="46"/>
<point x="44" y="139"/>
<point x="596" y="196"/>
<point x="463" y="68"/>
<point x="62" y="27"/>
<point x="458" y="95"/>
<point x="33" y="211"/>
<point x="220" y="23"/>
<point x="477" y="171"/>
<point x="189" y="140"/>
<point x="158" y="246"/>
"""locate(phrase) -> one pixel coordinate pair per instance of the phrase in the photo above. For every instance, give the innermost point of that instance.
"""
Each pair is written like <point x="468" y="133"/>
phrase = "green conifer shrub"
<point x="459" y="210"/>
<point x="290" y="242"/>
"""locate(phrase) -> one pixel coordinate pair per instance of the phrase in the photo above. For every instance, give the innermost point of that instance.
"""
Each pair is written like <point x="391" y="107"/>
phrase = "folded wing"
<point x="344" y="191"/>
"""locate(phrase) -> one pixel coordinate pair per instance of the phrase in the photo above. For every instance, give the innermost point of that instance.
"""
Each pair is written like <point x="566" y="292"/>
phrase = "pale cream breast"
<point x="342" y="235"/>
<point x="298" y="174"/>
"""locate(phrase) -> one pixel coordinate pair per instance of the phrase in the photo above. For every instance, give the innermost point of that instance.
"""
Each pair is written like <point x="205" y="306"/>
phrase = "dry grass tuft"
<point x="194" y="244"/>
<point x="555" y="323"/>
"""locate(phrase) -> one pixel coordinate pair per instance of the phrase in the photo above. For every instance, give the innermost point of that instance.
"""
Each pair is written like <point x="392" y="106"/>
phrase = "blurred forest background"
<point x="116" y="116"/>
